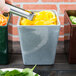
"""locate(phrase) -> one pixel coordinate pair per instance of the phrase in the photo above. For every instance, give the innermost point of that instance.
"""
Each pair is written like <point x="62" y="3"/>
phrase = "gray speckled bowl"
<point x="38" y="43"/>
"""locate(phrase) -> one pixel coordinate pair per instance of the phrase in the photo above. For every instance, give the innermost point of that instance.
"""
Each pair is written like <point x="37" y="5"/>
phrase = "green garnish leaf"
<point x="73" y="19"/>
<point x="25" y="72"/>
<point x="1" y="71"/>
<point x="22" y="74"/>
<point x="28" y="71"/>
<point x="36" y="74"/>
<point x="12" y="73"/>
<point x="34" y="67"/>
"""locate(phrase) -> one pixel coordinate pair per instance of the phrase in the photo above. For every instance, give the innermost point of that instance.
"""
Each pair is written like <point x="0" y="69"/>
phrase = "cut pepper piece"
<point x="3" y="20"/>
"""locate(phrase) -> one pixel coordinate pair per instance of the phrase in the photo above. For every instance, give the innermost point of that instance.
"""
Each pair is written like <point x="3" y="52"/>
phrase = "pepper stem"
<point x="34" y="67"/>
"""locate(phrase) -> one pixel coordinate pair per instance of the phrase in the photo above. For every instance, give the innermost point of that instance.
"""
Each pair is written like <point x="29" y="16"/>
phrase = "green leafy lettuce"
<point x="25" y="72"/>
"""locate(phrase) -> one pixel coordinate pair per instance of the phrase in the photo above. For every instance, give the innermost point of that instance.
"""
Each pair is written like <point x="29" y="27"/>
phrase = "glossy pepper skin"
<point x="73" y="19"/>
<point x="41" y="18"/>
<point x="3" y="20"/>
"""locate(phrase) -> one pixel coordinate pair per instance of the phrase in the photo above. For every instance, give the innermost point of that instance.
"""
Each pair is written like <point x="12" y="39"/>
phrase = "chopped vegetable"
<point x="36" y="75"/>
<point x="73" y="19"/>
<point x="3" y="20"/>
<point x="29" y="71"/>
<point x="41" y="18"/>
<point x="12" y="73"/>
<point x="25" y="72"/>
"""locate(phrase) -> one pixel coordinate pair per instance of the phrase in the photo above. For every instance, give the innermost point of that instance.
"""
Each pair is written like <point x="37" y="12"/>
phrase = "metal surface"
<point x="21" y="12"/>
<point x="38" y="43"/>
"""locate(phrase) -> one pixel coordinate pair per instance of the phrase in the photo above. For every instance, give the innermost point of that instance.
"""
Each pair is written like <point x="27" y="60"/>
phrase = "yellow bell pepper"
<point x="41" y="18"/>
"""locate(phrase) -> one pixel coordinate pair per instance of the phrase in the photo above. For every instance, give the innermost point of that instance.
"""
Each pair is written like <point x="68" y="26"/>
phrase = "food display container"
<point x="4" y="44"/>
<point x="38" y="43"/>
<point x="70" y="43"/>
